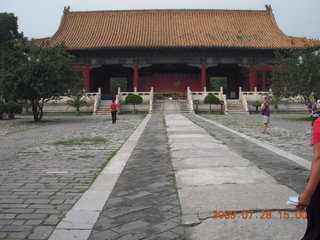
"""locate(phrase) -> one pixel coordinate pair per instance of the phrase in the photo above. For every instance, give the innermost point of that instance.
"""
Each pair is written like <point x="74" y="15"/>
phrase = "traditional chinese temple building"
<point x="171" y="50"/>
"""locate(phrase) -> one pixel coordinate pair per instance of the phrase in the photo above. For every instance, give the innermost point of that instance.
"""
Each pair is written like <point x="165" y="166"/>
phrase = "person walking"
<point x="114" y="110"/>
<point x="265" y="108"/>
<point x="310" y="198"/>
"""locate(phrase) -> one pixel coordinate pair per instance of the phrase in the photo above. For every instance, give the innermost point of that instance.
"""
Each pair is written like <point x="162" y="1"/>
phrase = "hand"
<point x="304" y="201"/>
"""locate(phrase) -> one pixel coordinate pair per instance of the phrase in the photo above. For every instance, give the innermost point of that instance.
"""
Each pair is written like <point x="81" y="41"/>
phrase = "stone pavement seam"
<point x="302" y="162"/>
<point x="79" y="221"/>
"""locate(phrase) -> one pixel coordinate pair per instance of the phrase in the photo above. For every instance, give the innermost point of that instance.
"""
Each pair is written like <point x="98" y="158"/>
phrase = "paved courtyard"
<point x="46" y="167"/>
<point x="180" y="170"/>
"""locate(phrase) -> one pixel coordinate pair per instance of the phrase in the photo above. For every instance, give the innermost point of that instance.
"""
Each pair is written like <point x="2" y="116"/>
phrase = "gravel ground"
<point x="287" y="132"/>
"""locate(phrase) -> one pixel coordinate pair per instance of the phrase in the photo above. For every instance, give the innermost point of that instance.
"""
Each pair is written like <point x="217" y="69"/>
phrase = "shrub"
<point x="77" y="101"/>
<point x="211" y="99"/>
<point x="11" y="108"/>
<point x="256" y="104"/>
<point x="133" y="99"/>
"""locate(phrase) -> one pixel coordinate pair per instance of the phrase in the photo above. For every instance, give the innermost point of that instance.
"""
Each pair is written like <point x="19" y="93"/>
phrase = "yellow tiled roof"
<point x="254" y="29"/>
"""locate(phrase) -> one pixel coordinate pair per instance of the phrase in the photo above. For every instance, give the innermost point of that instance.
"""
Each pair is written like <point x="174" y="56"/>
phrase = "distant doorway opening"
<point x="217" y="82"/>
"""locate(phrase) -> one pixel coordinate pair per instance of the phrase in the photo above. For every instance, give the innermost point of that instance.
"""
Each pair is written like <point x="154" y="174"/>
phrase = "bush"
<point x="211" y="99"/>
<point x="11" y="108"/>
<point x="133" y="99"/>
<point x="256" y="104"/>
<point x="77" y="100"/>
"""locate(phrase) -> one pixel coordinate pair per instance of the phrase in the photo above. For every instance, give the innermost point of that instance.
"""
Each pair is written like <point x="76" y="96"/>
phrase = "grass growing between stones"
<point x="31" y="153"/>
<point x="104" y="164"/>
<point x="302" y="119"/>
<point x="81" y="141"/>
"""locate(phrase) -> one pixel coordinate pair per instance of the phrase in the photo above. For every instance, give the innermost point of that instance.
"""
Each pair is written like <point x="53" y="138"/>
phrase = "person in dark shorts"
<point x="265" y="108"/>
<point x="310" y="198"/>
<point x="114" y="110"/>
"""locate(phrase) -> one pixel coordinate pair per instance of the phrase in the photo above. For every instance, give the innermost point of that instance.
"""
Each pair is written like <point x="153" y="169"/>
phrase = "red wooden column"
<point x="252" y="76"/>
<point x="86" y="76"/>
<point x="135" y="76"/>
<point x="203" y="76"/>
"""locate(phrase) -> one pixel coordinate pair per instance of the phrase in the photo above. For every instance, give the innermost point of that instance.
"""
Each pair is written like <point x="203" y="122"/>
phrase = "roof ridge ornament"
<point x="268" y="9"/>
<point x="66" y="9"/>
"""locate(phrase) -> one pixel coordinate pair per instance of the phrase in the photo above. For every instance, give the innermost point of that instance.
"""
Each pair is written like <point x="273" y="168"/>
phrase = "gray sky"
<point x="41" y="18"/>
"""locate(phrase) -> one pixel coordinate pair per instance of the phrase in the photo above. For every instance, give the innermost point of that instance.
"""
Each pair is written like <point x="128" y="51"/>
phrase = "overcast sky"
<point x="41" y="18"/>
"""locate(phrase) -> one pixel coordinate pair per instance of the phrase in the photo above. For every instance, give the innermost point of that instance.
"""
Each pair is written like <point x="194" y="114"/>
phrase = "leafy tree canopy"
<point x="38" y="74"/>
<point x="9" y="27"/>
<point x="298" y="73"/>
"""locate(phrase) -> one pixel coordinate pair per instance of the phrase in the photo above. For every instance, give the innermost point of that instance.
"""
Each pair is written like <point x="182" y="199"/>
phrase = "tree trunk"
<point x="37" y="109"/>
<point x="210" y="107"/>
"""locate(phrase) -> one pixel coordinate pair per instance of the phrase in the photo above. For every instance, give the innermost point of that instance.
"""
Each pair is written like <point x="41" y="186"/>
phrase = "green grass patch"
<point x="104" y="164"/>
<point x="81" y="141"/>
<point x="300" y="119"/>
<point x="31" y="153"/>
<point x="68" y="114"/>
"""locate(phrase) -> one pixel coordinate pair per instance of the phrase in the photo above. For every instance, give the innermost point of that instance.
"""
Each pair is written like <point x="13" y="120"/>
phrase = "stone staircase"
<point x="235" y="107"/>
<point x="104" y="107"/>
<point x="157" y="106"/>
<point x="169" y="106"/>
<point x="183" y="104"/>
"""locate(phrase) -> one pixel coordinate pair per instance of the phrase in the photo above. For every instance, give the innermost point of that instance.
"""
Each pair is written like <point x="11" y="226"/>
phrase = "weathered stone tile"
<point x="42" y="232"/>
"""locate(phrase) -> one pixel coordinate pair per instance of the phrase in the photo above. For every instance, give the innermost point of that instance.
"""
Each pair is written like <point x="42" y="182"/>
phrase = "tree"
<point x="78" y="100"/>
<point x="211" y="99"/>
<point x="133" y="99"/>
<point x="9" y="27"/>
<point x="298" y="73"/>
<point x="39" y="74"/>
<point x="32" y="72"/>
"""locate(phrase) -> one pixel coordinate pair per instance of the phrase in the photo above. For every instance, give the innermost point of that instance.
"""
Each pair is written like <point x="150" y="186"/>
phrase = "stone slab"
<point x="60" y="234"/>
<point x="198" y="153"/>
<point x="213" y="162"/>
<point x="235" y="197"/>
<point x="226" y="175"/>
<point x="187" y="136"/>
<point x="255" y="228"/>
<point x="92" y="200"/>
<point x="200" y="145"/>
<point x="76" y="219"/>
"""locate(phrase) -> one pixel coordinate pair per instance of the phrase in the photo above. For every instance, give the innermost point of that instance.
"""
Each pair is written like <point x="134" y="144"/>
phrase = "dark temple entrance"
<point x="228" y="76"/>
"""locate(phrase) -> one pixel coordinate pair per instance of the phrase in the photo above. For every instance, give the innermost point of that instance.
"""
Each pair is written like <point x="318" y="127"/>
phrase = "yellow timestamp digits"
<point x="264" y="214"/>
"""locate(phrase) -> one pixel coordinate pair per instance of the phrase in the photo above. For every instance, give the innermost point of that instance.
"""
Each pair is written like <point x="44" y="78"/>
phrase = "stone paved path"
<point x="213" y="174"/>
<point x="41" y="181"/>
<point x="283" y="170"/>
<point x="144" y="203"/>
<point x="287" y="132"/>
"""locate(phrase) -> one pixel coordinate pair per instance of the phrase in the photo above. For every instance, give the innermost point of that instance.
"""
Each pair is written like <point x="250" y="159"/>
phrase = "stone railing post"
<point x="190" y="100"/>
<point x="97" y="102"/>
<point x="151" y="100"/>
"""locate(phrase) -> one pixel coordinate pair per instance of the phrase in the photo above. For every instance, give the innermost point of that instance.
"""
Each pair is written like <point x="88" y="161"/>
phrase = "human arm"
<point x="305" y="197"/>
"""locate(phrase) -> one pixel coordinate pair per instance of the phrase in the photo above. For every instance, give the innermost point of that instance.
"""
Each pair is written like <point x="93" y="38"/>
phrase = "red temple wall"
<point x="170" y="82"/>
